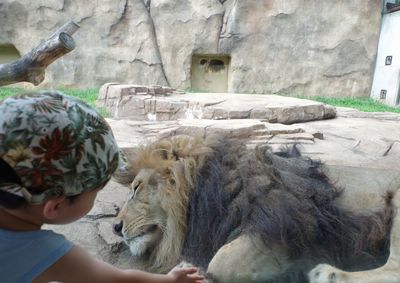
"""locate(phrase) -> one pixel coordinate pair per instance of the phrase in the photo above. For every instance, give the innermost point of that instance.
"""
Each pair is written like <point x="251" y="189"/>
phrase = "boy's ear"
<point x="52" y="207"/>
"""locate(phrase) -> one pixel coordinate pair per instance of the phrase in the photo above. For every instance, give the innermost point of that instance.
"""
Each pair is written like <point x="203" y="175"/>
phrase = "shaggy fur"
<point x="388" y="273"/>
<point x="282" y="198"/>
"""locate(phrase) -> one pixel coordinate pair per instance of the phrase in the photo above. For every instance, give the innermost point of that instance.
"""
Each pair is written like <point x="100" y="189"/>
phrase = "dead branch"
<point x="31" y="67"/>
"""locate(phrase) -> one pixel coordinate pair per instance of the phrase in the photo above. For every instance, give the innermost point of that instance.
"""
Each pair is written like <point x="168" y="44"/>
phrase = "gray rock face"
<point x="116" y="39"/>
<point x="291" y="46"/>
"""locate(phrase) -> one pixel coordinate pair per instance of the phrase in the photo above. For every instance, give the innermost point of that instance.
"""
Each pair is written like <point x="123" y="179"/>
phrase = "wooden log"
<point x="31" y="67"/>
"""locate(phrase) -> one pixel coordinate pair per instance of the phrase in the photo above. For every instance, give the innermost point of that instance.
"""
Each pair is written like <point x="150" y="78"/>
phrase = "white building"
<point x="386" y="82"/>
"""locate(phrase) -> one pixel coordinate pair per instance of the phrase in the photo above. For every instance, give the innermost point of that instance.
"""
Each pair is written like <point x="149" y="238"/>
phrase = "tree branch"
<point x="31" y="67"/>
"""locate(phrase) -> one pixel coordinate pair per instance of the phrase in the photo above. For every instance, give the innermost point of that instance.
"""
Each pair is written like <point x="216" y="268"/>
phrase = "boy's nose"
<point x="117" y="228"/>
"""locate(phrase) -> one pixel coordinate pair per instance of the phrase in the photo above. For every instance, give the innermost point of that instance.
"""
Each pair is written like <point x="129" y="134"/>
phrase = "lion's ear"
<point x="162" y="153"/>
<point x="163" y="145"/>
<point x="170" y="176"/>
<point x="125" y="172"/>
<point x="124" y="176"/>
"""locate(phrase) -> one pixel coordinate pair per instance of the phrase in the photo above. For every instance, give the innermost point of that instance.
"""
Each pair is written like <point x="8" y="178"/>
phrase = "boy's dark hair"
<point x="8" y="175"/>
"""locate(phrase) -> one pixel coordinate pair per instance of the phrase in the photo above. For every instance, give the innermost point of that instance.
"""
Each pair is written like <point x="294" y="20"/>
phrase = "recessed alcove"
<point x="210" y="72"/>
<point x="8" y="53"/>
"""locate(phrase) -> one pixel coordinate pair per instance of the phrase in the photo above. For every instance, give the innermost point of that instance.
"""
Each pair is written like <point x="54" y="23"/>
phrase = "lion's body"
<point x="244" y="215"/>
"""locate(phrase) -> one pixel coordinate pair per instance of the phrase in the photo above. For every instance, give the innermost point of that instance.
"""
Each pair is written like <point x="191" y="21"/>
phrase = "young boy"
<point x="56" y="153"/>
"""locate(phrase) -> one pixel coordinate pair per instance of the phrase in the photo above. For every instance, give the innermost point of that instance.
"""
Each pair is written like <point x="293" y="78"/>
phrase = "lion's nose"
<point x="117" y="228"/>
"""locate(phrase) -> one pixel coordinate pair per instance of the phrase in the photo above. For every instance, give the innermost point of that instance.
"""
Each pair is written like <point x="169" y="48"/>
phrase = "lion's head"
<point x="153" y="219"/>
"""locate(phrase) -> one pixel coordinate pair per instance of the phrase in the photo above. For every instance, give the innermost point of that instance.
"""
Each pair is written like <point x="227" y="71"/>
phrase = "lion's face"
<point x="153" y="219"/>
<point x="143" y="218"/>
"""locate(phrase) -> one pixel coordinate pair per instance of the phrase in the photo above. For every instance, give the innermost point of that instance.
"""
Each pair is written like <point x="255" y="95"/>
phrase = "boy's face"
<point x="71" y="211"/>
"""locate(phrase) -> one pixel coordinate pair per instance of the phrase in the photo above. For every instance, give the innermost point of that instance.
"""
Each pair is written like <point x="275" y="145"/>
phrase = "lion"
<point x="242" y="214"/>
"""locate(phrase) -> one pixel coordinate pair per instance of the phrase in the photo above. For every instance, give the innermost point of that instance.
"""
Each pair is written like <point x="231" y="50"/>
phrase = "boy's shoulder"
<point x="24" y="255"/>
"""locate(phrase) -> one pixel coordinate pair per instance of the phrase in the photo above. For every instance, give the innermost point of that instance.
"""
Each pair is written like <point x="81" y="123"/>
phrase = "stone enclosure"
<point x="262" y="46"/>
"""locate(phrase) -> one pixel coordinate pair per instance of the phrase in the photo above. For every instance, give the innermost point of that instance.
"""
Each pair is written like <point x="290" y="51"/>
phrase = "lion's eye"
<point x="172" y="182"/>
<point x="135" y="188"/>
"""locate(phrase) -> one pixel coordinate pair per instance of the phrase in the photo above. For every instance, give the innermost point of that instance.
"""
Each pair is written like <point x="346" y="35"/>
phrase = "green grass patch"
<point x="88" y="95"/>
<point x="362" y="104"/>
<point x="9" y="91"/>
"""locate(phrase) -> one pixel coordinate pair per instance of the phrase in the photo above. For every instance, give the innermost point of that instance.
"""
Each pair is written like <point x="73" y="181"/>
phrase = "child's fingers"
<point x="196" y="277"/>
<point x="191" y="273"/>
<point x="189" y="270"/>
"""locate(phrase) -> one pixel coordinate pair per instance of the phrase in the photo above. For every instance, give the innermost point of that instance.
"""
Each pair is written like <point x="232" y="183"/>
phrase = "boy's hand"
<point x="185" y="275"/>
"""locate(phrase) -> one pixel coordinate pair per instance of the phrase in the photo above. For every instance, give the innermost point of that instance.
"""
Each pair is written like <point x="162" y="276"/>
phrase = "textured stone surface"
<point x="115" y="42"/>
<point x="290" y="46"/>
<point x="371" y="140"/>
<point x="131" y="134"/>
<point x="124" y="101"/>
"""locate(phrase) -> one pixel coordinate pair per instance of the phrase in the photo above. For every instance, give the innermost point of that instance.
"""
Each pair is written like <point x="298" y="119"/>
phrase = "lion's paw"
<point x="325" y="273"/>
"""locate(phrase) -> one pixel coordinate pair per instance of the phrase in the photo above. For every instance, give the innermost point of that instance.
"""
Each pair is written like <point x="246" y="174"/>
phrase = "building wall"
<point x="386" y="80"/>
<point x="300" y="47"/>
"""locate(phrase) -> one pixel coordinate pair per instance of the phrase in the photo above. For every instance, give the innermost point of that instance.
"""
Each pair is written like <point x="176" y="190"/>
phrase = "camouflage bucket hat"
<point x="56" y="144"/>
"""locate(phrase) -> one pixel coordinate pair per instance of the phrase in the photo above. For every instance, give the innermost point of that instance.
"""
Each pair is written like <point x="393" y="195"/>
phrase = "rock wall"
<point x="303" y="47"/>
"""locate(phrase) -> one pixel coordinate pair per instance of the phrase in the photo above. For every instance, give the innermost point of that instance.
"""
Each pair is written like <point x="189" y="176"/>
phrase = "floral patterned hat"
<point x="56" y="144"/>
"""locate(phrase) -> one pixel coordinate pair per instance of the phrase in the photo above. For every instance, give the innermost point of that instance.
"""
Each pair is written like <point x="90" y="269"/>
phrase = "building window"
<point x="391" y="6"/>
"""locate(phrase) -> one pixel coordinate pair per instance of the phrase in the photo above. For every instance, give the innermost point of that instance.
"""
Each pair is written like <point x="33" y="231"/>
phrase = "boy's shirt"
<point x="25" y="255"/>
